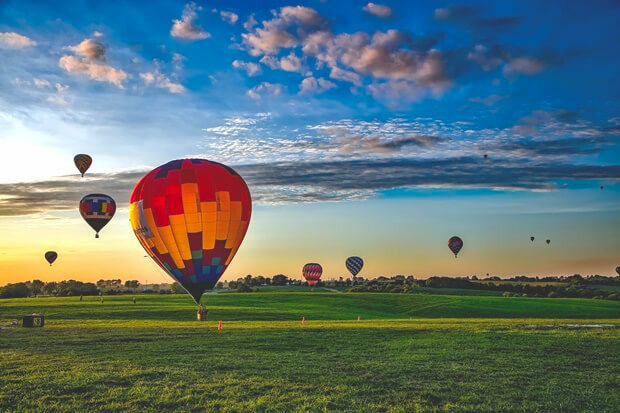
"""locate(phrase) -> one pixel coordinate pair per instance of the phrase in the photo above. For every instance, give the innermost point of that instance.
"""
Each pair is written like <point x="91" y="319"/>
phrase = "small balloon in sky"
<point x="486" y="156"/>
<point x="618" y="269"/>
<point x="532" y="239"/>
<point x="190" y="216"/>
<point x="312" y="273"/>
<point x="602" y="187"/>
<point x="82" y="162"/>
<point x="354" y="265"/>
<point x="97" y="210"/>
<point x="50" y="256"/>
<point x="455" y="244"/>
<point x="548" y="241"/>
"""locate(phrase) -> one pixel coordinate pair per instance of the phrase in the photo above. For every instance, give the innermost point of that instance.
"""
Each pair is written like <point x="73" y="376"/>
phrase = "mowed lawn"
<point x="456" y="353"/>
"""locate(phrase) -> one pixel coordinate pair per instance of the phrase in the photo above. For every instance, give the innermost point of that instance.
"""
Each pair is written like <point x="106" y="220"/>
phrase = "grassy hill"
<point x="458" y="353"/>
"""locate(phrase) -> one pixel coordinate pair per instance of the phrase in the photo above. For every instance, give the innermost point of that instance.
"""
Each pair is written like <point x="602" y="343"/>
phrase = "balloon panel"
<point x="191" y="216"/>
<point x="354" y="265"/>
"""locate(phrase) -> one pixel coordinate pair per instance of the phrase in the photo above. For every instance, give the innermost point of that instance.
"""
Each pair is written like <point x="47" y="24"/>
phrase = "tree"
<point x="176" y="288"/>
<point x="50" y="288"/>
<point x="132" y="284"/>
<point x="220" y="285"/>
<point x="18" y="290"/>
<point x="37" y="286"/>
<point x="279" y="279"/>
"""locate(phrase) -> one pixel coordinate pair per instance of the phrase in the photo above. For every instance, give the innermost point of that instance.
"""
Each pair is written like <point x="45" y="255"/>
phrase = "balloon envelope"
<point x="312" y="273"/>
<point x="191" y="215"/>
<point x="548" y="241"/>
<point x="532" y="239"/>
<point x="82" y="162"/>
<point x="354" y="265"/>
<point x="97" y="210"/>
<point x="455" y="244"/>
<point x="50" y="256"/>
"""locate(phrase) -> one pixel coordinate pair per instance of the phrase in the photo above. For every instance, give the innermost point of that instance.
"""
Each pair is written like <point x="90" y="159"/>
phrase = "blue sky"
<point x="331" y="103"/>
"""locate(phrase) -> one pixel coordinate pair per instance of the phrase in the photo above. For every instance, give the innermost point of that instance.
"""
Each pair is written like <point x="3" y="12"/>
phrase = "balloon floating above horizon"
<point x="82" y="162"/>
<point x="50" y="256"/>
<point x="354" y="265"/>
<point x="532" y="239"/>
<point x="97" y="210"/>
<point x="548" y="241"/>
<point x="312" y="273"/>
<point x="455" y="244"/>
<point x="190" y="216"/>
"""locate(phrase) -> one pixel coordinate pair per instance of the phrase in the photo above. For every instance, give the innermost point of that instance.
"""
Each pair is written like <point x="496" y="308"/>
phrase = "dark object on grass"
<point x="33" y="320"/>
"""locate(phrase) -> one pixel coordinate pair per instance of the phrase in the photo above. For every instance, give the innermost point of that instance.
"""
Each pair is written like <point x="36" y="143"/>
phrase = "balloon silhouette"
<point x="354" y="265"/>
<point x="312" y="273"/>
<point x="455" y="244"/>
<point x="97" y="210"/>
<point x="486" y="156"/>
<point x="548" y="241"/>
<point x="50" y="256"/>
<point x="532" y="239"/>
<point x="82" y="162"/>
<point x="618" y="269"/>
<point x="191" y="215"/>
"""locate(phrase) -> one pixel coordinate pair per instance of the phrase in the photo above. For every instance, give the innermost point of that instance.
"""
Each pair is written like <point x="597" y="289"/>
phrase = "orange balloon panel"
<point x="191" y="215"/>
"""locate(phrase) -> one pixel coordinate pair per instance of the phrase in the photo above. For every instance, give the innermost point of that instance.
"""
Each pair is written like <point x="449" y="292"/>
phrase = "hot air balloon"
<point x="618" y="270"/>
<point x="354" y="265"/>
<point x="50" y="256"/>
<point x="548" y="241"/>
<point x="82" y="161"/>
<point x="312" y="273"/>
<point x="97" y="210"/>
<point x="191" y="215"/>
<point x="602" y="187"/>
<point x="532" y="239"/>
<point x="455" y="244"/>
<point x="486" y="156"/>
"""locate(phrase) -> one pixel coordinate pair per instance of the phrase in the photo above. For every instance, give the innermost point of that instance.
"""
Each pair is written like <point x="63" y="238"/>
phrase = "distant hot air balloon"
<point x="548" y="241"/>
<point x="486" y="156"/>
<point x="354" y="265"/>
<point x="312" y="273"/>
<point x="532" y="239"/>
<point x="50" y="256"/>
<point x="455" y="244"/>
<point x="97" y="210"/>
<point x="82" y="161"/>
<point x="191" y="215"/>
<point x="618" y="269"/>
<point x="602" y="187"/>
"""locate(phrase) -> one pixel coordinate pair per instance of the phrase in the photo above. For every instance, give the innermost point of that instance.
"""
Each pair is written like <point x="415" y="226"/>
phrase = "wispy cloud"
<point x="12" y="40"/>
<point x="186" y="28"/>
<point x="378" y="10"/>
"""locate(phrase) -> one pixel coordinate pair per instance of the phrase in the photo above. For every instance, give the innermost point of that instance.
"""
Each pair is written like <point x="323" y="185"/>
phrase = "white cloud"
<point x="12" y="40"/>
<point x="229" y="17"/>
<point x="523" y="65"/>
<point x="489" y="100"/>
<point x="249" y="23"/>
<point x="290" y="63"/>
<point x="186" y="28"/>
<point x="41" y="83"/>
<point x="264" y="88"/>
<point x="314" y="85"/>
<point x="162" y="81"/>
<point x="89" y="49"/>
<point x="481" y="55"/>
<point x="95" y="71"/>
<point x="378" y="10"/>
<point x="252" y="69"/>
<point x="97" y="34"/>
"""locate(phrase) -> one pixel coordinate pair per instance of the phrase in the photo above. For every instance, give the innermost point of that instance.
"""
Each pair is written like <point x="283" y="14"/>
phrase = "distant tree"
<point x="219" y="285"/>
<point x="232" y="284"/>
<point x="132" y="284"/>
<point x="176" y="288"/>
<point x="279" y="279"/>
<point x="244" y="288"/>
<point x="17" y="290"/>
<point x="50" y="288"/>
<point x="36" y="287"/>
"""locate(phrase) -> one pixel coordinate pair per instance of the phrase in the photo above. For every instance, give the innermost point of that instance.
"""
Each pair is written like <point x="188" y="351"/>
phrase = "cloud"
<point x="96" y="71"/>
<point x="378" y="10"/>
<point x="252" y="69"/>
<point x="162" y="81"/>
<point x="471" y="17"/>
<point x="490" y="100"/>
<point x="89" y="49"/>
<point x="315" y="86"/>
<point x="186" y="28"/>
<point x="524" y="66"/>
<point x="41" y="83"/>
<point x="229" y="17"/>
<point x="250" y="23"/>
<point x="12" y="40"/>
<point x="488" y="60"/>
<point x="264" y="88"/>
<point x="290" y="63"/>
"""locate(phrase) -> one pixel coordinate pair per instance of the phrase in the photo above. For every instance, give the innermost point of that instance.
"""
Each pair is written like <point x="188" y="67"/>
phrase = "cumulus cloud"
<point x="162" y="81"/>
<point x="186" y="27"/>
<point x="250" y="23"/>
<point x="96" y="71"/>
<point x="12" y="40"/>
<point x="264" y="88"/>
<point x="523" y="66"/>
<point x="488" y="60"/>
<point x="490" y="100"/>
<point x="312" y="85"/>
<point x="89" y="49"/>
<point x="229" y="17"/>
<point x="378" y="10"/>
<point x="252" y="69"/>
<point x="41" y="83"/>
<point x="290" y="63"/>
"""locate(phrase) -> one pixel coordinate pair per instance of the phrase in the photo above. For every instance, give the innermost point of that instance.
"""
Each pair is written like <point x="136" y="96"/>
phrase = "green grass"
<point x="458" y="353"/>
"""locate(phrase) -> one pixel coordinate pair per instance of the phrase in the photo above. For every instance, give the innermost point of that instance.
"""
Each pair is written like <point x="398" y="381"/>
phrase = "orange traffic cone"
<point x="219" y="326"/>
<point x="358" y="318"/>
<point x="303" y="320"/>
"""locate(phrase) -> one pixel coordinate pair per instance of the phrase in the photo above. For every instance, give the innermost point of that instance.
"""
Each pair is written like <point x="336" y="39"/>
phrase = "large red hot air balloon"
<point x="312" y="273"/>
<point x="50" y="256"/>
<point x="455" y="244"/>
<point x="190" y="215"/>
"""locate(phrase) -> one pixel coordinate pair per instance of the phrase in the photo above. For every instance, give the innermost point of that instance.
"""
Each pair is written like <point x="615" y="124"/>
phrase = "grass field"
<point x="457" y="353"/>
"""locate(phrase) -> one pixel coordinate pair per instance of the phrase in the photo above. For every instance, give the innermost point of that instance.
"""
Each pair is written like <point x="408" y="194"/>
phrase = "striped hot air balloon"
<point x="191" y="215"/>
<point x="97" y="210"/>
<point x="455" y="244"/>
<point x="312" y="273"/>
<point x="354" y="265"/>
<point x="82" y="162"/>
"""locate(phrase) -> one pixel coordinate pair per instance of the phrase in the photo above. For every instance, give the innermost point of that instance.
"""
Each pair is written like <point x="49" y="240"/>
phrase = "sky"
<point x="360" y="128"/>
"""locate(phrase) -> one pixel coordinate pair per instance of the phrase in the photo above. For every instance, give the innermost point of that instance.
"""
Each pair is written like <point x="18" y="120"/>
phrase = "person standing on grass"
<point x="134" y="300"/>
<point x="81" y="297"/>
